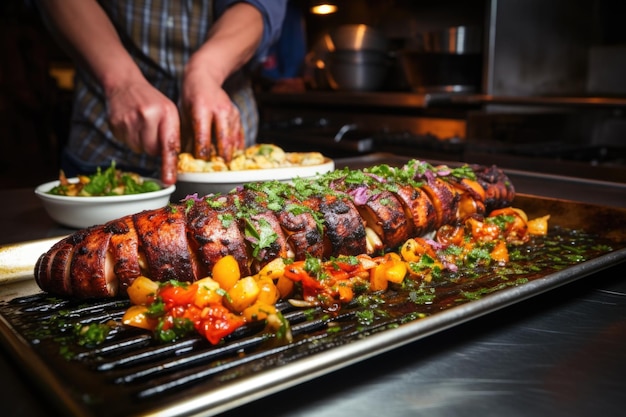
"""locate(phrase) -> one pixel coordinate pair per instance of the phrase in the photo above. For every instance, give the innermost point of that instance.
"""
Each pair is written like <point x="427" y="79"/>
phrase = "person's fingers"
<point x="139" y="129"/>
<point x="222" y="137"/>
<point x="187" y="139"/>
<point x="241" y="139"/>
<point x="149" y="134"/>
<point x="202" y="135"/>
<point x="236" y="130"/>
<point x="138" y="113"/>
<point x="228" y="134"/>
<point x="169" y="139"/>
<point x="122" y="132"/>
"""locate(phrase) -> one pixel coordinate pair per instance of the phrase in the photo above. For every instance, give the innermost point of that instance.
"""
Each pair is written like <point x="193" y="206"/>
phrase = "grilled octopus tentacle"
<point x="163" y="240"/>
<point x="90" y="270"/>
<point x="384" y="214"/>
<point x="124" y="250"/>
<point x="214" y="232"/>
<point x="445" y="199"/>
<point x="327" y="217"/>
<point x="51" y="271"/>
<point x="419" y="208"/>
<point x="499" y="191"/>
<point x="345" y="228"/>
<point x="301" y="230"/>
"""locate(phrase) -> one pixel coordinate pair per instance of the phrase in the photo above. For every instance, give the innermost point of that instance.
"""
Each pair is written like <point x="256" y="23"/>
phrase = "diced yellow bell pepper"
<point x="396" y="271"/>
<point x="142" y="291"/>
<point x="268" y="293"/>
<point x="273" y="270"/>
<point x="378" y="278"/>
<point x="207" y="293"/>
<point x="136" y="316"/>
<point x="243" y="294"/>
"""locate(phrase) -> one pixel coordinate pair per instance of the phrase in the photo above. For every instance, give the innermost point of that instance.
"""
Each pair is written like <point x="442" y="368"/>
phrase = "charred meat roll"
<point x="344" y="212"/>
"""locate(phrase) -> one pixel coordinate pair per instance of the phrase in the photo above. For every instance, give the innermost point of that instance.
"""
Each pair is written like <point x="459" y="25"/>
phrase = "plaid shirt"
<point x="160" y="35"/>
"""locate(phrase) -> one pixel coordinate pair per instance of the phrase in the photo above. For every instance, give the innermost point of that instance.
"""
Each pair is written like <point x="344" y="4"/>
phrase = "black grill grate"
<point x="130" y="371"/>
<point x="131" y="374"/>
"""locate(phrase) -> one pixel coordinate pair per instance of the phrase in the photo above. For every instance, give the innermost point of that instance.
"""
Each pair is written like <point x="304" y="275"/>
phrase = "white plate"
<point x="224" y="181"/>
<point x="252" y="175"/>
<point x="81" y="212"/>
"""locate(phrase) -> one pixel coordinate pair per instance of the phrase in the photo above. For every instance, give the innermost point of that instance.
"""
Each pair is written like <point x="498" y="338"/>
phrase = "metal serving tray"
<point x="132" y="375"/>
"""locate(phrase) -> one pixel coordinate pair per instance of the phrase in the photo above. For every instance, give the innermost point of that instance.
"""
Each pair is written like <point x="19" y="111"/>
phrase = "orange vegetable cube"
<point x="500" y="253"/>
<point x="396" y="271"/>
<point x="207" y="293"/>
<point x="346" y="294"/>
<point x="226" y="272"/>
<point x="142" y="291"/>
<point x="538" y="226"/>
<point x="285" y="286"/>
<point x="258" y="311"/>
<point x="268" y="293"/>
<point x="136" y="316"/>
<point x="378" y="278"/>
<point x="243" y="294"/>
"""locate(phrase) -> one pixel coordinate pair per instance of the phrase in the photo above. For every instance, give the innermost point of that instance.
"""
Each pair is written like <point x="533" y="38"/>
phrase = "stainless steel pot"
<point x="458" y="40"/>
<point x="350" y="58"/>
<point x="451" y="73"/>
<point x="449" y="60"/>
<point x="357" y="70"/>
<point x="357" y="37"/>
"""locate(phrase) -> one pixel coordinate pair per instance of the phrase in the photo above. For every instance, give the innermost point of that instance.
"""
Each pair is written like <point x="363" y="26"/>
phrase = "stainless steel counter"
<point x="413" y="100"/>
<point x="561" y="354"/>
<point x="558" y="354"/>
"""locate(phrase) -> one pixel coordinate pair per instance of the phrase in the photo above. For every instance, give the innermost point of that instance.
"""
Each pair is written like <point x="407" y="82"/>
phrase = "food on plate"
<point x="111" y="181"/>
<point x="217" y="305"/>
<point x="327" y="238"/>
<point x="260" y="156"/>
<point x="342" y="212"/>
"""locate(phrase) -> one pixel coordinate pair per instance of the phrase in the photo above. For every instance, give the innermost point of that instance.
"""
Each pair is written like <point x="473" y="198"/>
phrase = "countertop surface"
<point x="414" y="100"/>
<point x="557" y="354"/>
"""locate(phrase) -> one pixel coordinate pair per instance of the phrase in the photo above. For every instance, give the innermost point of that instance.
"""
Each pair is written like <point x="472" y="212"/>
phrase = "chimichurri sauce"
<point x="538" y="258"/>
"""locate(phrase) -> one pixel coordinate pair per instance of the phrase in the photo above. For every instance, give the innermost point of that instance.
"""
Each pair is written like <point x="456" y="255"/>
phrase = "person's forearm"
<point x="86" y="32"/>
<point x="231" y="43"/>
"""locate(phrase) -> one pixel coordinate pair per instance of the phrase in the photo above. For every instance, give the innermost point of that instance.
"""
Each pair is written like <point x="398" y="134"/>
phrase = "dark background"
<point x="35" y="108"/>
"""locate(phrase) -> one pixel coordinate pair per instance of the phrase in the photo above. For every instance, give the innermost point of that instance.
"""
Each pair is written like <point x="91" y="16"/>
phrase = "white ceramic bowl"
<point x="82" y="212"/>
<point x="204" y="183"/>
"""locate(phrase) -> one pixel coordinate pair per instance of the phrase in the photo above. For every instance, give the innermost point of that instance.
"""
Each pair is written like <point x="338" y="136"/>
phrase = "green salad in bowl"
<point x="109" y="194"/>
<point x="110" y="181"/>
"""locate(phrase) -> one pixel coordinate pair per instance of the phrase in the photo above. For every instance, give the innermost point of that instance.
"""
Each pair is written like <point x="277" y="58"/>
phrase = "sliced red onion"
<point x="434" y="244"/>
<point x="193" y="197"/>
<point x="376" y="177"/>
<point x="451" y="266"/>
<point x="360" y="195"/>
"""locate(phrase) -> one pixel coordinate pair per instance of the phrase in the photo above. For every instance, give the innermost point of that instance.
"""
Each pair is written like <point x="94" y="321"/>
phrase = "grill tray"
<point x="131" y="375"/>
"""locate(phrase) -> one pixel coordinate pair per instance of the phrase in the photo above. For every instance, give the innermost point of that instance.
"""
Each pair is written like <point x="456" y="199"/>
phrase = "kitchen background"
<point x="525" y="84"/>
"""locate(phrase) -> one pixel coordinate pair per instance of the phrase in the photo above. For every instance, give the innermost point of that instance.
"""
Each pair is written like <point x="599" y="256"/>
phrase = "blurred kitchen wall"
<point x="34" y="109"/>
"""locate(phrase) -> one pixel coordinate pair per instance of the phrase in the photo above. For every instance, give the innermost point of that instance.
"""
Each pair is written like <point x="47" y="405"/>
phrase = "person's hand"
<point x="147" y="121"/>
<point x="214" y="119"/>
